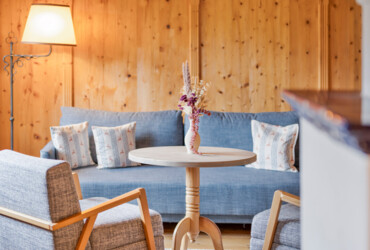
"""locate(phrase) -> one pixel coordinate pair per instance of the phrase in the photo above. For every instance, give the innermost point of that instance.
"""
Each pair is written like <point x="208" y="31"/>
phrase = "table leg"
<point x="210" y="228"/>
<point x="185" y="242"/>
<point x="180" y="232"/>
<point x="189" y="227"/>
<point x="192" y="202"/>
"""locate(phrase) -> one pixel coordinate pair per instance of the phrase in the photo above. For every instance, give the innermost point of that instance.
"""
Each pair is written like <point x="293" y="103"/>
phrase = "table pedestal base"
<point x="180" y="238"/>
<point x="189" y="227"/>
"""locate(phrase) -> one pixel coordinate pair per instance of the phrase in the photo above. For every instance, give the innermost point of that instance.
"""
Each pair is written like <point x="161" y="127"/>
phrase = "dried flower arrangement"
<point x="192" y="102"/>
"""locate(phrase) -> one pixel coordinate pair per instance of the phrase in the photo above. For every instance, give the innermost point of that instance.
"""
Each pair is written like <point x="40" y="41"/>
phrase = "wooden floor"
<point x="234" y="237"/>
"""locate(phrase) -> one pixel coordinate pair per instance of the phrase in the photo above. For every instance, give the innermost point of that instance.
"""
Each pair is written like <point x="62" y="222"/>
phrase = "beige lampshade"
<point x="49" y="24"/>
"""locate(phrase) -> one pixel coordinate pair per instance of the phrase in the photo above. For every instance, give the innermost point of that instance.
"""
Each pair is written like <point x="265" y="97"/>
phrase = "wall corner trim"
<point x="323" y="64"/>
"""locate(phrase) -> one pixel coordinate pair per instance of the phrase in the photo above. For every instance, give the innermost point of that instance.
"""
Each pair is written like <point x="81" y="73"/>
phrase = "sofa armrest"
<point x="48" y="151"/>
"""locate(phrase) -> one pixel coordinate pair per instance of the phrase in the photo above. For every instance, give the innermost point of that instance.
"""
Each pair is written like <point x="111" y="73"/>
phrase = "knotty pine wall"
<point x="129" y="56"/>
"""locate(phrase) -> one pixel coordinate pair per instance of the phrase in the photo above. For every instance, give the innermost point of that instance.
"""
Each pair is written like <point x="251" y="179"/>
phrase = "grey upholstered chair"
<point x="279" y="227"/>
<point x="40" y="209"/>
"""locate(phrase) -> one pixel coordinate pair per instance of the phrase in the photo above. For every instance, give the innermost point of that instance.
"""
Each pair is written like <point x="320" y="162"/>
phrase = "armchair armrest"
<point x="90" y="216"/>
<point x="119" y="200"/>
<point x="27" y="218"/>
<point x="279" y="197"/>
<point x="48" y="151"/>
<point x="93" y="212"/>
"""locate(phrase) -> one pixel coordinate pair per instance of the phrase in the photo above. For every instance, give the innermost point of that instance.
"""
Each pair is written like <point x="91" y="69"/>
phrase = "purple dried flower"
<point x="183" y="98"/>
<point x="192" y="101"/>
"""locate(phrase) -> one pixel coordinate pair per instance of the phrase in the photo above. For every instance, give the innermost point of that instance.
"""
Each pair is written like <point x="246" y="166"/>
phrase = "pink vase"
<point x="192" y="138"/>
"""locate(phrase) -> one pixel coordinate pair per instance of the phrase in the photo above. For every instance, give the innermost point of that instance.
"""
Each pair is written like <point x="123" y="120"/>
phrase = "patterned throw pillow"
<point x="113" y="145"/>
<point x="274" y="146"/>
<point x="72" y="144"/>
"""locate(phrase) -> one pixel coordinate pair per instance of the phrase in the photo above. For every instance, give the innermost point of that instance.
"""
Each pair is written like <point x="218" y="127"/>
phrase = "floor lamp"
<point x="46" y="24"/>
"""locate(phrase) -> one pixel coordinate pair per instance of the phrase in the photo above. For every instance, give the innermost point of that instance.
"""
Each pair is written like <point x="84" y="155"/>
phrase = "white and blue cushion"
<point x="113" y="145"/>
<point x="72" y="144"/>
<point x="151" y="131"/>
<point x="274" y="146"/>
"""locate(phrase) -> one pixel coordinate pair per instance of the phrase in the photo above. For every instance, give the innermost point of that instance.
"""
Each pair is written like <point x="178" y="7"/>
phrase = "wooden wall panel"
<point x="38" y="85"/>
<point x="251" y="50"/>
<point x="345" y="49"/>
<point x="219" y="31"/>
<point x="105" y="60"/>
<point x="129" y="56"/>
<point x="304" y="44"/>
<point x="163" y="39"/>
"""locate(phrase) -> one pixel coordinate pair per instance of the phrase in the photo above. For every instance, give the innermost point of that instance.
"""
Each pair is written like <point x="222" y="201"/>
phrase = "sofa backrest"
<point x="229" y="129"/>
<point x="160" y="128"/>
<point x="41" y="188"/>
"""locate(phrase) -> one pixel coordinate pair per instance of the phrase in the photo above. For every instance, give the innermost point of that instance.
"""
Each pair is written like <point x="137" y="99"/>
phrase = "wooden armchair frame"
<point x="91" y="214"/>
<point x="279" y="197"/>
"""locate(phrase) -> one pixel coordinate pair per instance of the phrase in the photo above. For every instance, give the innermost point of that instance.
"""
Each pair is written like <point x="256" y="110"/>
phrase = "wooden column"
<point x="323" y="45"/>
<point x="194" y="38"/>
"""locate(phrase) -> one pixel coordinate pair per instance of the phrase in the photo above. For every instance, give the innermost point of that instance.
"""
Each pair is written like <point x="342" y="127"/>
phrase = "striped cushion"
<point x="113" y="145"/>
<point x="72" y="144"/>
<point x="274" y="146"/>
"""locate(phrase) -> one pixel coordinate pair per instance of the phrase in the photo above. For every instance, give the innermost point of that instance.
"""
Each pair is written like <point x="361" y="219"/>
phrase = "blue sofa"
<point x="228" y="194"/>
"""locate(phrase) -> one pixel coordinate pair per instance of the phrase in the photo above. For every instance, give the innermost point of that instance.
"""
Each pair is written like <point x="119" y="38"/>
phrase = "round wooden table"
<point x="177" y="156"/>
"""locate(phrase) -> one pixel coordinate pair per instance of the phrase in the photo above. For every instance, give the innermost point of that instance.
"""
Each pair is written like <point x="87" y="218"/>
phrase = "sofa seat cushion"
<point x="288" y="228"/>
<point x="119" y="226"/>
<point x="223" y="191"/>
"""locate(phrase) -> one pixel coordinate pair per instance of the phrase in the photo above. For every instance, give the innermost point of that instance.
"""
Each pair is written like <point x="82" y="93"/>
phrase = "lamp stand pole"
<point x="15" y="59"/>
<point x="11" y="96"/>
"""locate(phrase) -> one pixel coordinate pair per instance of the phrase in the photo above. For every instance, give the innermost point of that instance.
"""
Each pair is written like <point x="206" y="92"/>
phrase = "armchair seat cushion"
<point x="287" y="234"/>
<point x="121" y="227"/>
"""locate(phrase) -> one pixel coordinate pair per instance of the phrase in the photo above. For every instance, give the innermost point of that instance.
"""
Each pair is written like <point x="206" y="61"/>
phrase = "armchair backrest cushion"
<point x="159" y="128"/>
<point x="41" y="188"/>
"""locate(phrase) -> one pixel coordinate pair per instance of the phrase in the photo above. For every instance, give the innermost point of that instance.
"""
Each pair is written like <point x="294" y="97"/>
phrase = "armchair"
<point x="278" y="227"/>
<point x="40" y="207"/>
